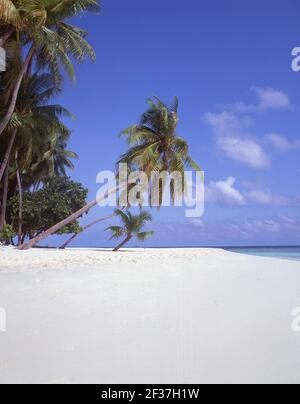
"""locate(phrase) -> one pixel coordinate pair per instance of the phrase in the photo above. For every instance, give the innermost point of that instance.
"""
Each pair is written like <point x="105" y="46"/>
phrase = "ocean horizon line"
<point x="185" y="247"/>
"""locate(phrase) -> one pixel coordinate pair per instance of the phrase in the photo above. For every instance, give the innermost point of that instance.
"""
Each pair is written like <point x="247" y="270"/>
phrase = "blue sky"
<point x="229" y="62"/>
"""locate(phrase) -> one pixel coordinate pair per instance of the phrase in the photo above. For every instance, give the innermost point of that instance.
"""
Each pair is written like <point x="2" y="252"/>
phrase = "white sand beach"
<point x="148" y="316"/>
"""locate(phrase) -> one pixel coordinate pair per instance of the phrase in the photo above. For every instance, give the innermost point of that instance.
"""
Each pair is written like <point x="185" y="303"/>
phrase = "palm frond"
<point x="76" y="45"/>
<point x="123" y="216"/>
<point x="144" y="235"/>
<point x="154" y="145"/>
<point x="116" y="231"/>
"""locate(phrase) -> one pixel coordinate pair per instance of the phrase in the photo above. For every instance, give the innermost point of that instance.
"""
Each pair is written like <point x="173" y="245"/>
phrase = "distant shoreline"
<point x="183" y="247"/>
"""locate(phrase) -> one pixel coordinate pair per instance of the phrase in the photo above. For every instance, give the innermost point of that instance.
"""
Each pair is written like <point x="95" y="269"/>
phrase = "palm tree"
<point x="4" y="200"/>
<point x="41" y="137"/>
<point x="20" y="190"/>
<point x="154" y="146"/>
<point x="12" y="138"/>
<point x="84" y="228"/>
<point x="37" y="138"/>
<point x="131" y="227"/>
<point x="50" y="39"/>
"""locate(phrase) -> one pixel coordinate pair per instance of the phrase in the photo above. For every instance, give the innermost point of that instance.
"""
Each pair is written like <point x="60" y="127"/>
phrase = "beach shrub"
<point x="58" y="198"/>
<point x="6" y="234"/>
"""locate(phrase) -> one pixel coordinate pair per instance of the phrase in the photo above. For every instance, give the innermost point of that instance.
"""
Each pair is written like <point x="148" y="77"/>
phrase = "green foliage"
<point x="57" y="199"/>
<point x="153" y="142"/>
<point x="42" y="23"/>
<point x="6" y="234"/>
<point x="41" y="142"/>
<point x="154" y="145"/>
<point x="41" y="46"/>
<point x="131" y="225"/>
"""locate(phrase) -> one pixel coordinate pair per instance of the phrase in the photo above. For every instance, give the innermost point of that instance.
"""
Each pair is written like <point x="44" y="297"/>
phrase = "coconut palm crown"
<point x="43" y="27"/>
<point x="155" y="147"/>
<point x="154" y="144"/>
<point x="131" y="227"/>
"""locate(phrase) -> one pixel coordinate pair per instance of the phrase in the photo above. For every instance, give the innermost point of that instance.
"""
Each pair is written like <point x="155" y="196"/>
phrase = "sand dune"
<point x="148" y="316"/>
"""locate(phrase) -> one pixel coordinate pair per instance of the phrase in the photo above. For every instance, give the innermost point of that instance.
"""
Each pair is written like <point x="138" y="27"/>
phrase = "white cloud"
<point x="282" y="143"/>
<point x="289" y="223"/>
<point x="278" y="229"/>
<point x="245" y="150"/>
<point x="268" y="99"/>
<point x="234" y="142"/>
<point x="224" y="123"/>
<point x="231" y="127"/>
<point x="197" y="223"/>
<point x="266" y="197"/>
<point x="250" y="231"/>
<point x="235" y="228"/>
<point x="268" y="225"/>
<point x="224" y="192"/>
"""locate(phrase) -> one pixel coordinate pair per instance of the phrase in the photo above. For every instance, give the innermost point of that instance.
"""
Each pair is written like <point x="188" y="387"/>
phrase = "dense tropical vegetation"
<point x="41" y="45"/>
<point x="41" y="209"/>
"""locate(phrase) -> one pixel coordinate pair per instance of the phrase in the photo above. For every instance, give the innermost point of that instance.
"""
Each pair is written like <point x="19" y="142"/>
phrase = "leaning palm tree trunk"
<point x="12" y="105"/>
<point x="102" y="219"/>
<point x="128" y="238"/>
<point x="20" y="207"/>
<point x="88" y="226"/>
<point x="4" y="200"/>
<point x="58" y="226"/>
<point x="65" y="222"/>
<point x="7" y="154"/>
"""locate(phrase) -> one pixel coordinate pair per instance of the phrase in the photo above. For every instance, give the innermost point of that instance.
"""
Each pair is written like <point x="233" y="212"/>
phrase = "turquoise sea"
<point x="290" y="253"/>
